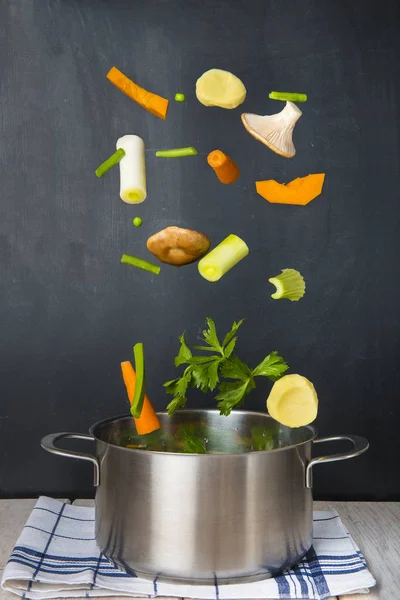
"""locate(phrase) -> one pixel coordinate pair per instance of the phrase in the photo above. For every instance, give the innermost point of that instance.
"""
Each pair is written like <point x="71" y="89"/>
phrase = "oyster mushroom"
<point x="177" y="246"/>
<point x="275" y="131"/>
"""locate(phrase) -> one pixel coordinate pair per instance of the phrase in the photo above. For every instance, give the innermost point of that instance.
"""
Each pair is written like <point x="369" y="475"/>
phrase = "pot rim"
<point x="312" y="430"/>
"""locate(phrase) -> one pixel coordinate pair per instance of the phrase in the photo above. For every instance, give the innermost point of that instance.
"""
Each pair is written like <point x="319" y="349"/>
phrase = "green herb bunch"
<point x="221" y="369"/>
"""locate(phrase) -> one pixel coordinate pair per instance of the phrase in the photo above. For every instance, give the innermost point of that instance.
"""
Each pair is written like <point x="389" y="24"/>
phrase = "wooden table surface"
<point x="374" y="526"/>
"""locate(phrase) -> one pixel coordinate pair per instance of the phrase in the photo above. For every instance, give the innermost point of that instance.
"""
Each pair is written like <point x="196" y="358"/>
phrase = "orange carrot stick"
<point x="148" y="420"/>
<point x="225" y="169"/>
<point x="155" y="104"/>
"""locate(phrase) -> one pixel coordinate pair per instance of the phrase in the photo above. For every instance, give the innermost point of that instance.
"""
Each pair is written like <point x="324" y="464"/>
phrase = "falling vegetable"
<point x="180" y="97"/>
<point x="289" y="284"/>
<point x="220" y="88"/>
<point x="177" y="152"/>
<point x="127" y="259"/>
<point x="148" y="420"/>
<point x="140" y="384"/>
<point x="222" y="258"/>
<point x="275" y="131"/>
<point x="224" y="167"/>
<point x="156" y="105"/>
<point x="220" y="368"/>
<point x="177" y="246"/>
<point x="293" y="401"/>
<point x="110" y="162"/>
<point x="132" y="170"/>
<point x="289" y="97"/>
<point x="300" y="191"/>
<point x="137" y="221"/>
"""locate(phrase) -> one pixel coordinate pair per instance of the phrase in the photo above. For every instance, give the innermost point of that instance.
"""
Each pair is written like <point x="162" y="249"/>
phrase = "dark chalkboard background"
<point x="69" y="312"/>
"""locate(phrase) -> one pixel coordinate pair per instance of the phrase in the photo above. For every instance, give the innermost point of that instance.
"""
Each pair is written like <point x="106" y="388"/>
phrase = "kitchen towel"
<point x="56" y="556"/>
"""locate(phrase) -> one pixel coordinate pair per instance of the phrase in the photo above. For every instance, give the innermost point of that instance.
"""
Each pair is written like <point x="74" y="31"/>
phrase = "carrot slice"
<point x="155" y="104"/>
<point x="299" y="191"/>
<point x="225" y="169"/>
<point x="148" y="420"/>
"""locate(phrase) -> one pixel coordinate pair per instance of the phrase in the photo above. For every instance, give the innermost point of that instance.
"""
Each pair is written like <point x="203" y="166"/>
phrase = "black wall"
<point x="69" y="312"/>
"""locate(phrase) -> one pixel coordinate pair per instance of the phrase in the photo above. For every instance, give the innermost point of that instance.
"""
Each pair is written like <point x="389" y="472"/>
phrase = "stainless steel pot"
<point x="201" y="517"/>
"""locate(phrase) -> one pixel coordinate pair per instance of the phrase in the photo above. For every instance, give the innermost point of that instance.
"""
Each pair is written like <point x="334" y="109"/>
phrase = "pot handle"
<point x="360" y="445"/>
<point x="49" y="441"/>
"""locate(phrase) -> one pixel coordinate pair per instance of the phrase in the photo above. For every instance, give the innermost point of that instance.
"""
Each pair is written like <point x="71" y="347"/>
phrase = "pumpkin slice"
<point x="300" y="191"/>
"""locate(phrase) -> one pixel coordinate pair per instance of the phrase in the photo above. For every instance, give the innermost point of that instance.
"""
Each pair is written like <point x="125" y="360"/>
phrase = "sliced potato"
<point x="220" y="88"/>
<point x="293" y="401"/>
<point x="177" y="246"/>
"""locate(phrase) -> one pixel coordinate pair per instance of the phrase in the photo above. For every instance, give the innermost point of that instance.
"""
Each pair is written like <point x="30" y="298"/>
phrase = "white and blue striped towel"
<point x="56" y="557"/>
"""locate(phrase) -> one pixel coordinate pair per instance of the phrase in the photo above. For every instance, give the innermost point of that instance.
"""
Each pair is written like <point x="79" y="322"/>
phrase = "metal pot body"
<point x="202" y="518"/>
<point x="194" y="517"/>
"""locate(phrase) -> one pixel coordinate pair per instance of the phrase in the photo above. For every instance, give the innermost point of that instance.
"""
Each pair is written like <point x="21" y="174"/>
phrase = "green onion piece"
<point x="180" y="97"/>
<point x="110" y="162"/>
<point x="287" y="96"/>
<point x="222" y="258"/>
<point x="127" y="259"/>
<point x="176" y="152"/>
<point x="289" y="284"/>
<point x="137" y="221"/>
<point x="138" y="396"/>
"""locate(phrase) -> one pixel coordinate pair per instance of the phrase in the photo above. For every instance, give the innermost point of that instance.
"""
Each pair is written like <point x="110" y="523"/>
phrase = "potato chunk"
<point x="293" y="401"/>
<point x="177" y="246"/>
<point x="220" y="88"/>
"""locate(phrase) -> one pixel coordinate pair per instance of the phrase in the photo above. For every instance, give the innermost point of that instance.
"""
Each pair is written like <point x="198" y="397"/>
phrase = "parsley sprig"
<point x="220" y="368"/>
